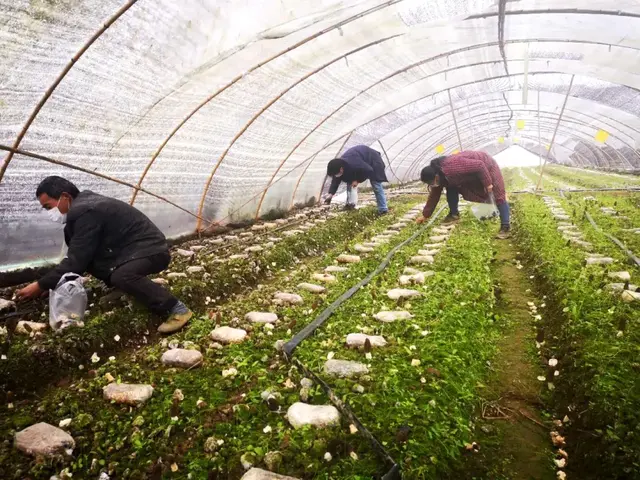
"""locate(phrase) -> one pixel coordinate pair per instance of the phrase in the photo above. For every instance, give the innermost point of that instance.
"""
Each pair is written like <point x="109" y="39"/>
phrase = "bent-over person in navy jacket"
<point x="357" y="165"/>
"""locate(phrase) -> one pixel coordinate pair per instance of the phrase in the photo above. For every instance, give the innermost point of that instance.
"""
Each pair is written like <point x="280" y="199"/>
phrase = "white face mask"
<point x="56" y="216"/>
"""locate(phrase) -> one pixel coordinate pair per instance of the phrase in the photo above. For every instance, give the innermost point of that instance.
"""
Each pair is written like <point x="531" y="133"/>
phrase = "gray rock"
<point x="305" y="393"/>
<point x="174" y="275"/>
<point x="324" y="277"/>
<point x="7" y="305"/>
<point x="306" y="382"/>
<point x="181" y="358"/>
<point x="335" y="269"/>
<point x="273" y="460"/>
<point x="599" y="260"/>
<point x="359" y="339"/>
<point x="320" y="416"/>
<point x="398" y="293"/>
<point x="259" y="474"/>
<point x="345" y="368"/>
<point x="392" y="316"/>
<point x="261" y="317"/>
<point x="310" y="287"/>
<point x="283" y="298"/>
<point x="422" y="259"/>
<point x="622" y="276"/>
<point x="185" y="253"/>
<point x="227" y="335"/>
<point x="195" y="269"/>
<point x="344" y="258"/>
<point x="25" y="328"/>
<point x="43" y="440"/>
<point x="128" y="393"/>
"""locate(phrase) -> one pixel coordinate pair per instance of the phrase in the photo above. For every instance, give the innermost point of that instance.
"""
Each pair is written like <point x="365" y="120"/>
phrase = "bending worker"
<point x="114" y="242"/>
<point x="356" y="165"/>
<point x="474" y="175"/>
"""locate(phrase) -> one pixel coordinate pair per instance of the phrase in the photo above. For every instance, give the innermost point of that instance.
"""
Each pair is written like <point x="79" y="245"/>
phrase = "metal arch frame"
<point x="467" y="105"/>
<point x="53" y="161"/>
<point x="575" y="120"/>
<point x="47" y="94"/>
<point x="258" y="114"/>
<point x="421" y="62"/>
<point x="448" y="137"/>
<point x="253" y="69"/>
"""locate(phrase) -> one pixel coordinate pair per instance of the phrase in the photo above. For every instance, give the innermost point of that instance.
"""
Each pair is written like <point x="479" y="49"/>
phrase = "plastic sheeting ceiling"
<point x="200" y="111"/>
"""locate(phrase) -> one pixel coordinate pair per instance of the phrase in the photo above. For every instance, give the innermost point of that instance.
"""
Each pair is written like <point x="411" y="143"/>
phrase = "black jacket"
<point x="362" y="163"/>
<point x="103" y="233"/>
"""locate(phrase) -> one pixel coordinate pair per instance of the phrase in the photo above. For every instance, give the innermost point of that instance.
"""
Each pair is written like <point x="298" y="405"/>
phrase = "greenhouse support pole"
<point x="388" y="160"/>
<point x="47" y="94"/>
<point x="555" y="131"/>
<point x="455" y="121"/>
<point x="539" y="138"/>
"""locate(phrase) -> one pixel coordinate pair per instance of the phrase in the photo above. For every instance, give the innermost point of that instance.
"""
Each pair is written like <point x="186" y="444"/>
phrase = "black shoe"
<point x="504" y="233"/>
<point x="383" y="213"/>
<point x="350" y="206"/>
<point x="449" y="219"/>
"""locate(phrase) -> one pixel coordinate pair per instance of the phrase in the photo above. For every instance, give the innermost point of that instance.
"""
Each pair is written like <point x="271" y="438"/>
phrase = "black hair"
<point x="334" y="166"/>
<point x="55" y="186"/>
<point x="428" y="174"/>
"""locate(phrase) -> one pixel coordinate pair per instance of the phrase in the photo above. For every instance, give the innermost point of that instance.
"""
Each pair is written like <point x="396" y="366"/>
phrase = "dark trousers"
<point x="131" y="278"/>
<point x="453" y="198"/>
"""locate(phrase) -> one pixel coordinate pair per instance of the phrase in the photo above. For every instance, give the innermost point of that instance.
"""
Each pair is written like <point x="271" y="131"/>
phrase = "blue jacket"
<point x="362" y="163"/>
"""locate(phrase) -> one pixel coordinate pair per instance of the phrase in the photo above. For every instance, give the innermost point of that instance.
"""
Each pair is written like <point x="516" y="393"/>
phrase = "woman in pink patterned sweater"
<point x="474" y="175"/>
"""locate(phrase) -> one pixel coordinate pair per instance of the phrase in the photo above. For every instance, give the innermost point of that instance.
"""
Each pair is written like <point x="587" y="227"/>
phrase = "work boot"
<point x="178" y="318"/>
<point x="382" y="213"/>
<point x="350" y="206"/>
<point x="450" y="219"/>
<point x="504" y="233"/>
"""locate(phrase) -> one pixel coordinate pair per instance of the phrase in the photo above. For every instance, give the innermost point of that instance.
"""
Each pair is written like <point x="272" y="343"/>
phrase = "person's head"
<point x="430" y="174"/>
<point x="56" y="194"/>
<point x="335" y="168"/>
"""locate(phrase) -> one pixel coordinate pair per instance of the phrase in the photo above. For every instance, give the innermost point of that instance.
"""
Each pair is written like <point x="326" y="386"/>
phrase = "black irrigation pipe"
<point x="622" y="246"/>
<point x="306" y="332"/>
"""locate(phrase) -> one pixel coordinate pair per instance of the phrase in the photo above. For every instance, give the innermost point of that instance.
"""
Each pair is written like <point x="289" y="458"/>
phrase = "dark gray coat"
<point x="362" y="163"/>
<point x="103" y="233"/>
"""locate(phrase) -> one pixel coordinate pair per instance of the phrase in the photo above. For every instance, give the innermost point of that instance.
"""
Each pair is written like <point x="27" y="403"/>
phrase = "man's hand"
<point x="32" y="290"/>
<point x="420" y="220"/>
<point x="490" y="189"/>
<point x="327" y="201"/>
<point x="354" y="184"/>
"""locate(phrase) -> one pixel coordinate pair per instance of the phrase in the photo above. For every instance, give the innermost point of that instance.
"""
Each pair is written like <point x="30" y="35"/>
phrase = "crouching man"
<point x="114" y="242"/>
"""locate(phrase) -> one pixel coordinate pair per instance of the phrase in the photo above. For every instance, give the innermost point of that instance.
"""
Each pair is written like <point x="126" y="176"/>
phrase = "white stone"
<point x="359" y="339"/>
<point x="197" y="248"/>
<point x="438" y="238"/>
<point x="254" y="248"/>
<point x="410" y="271"/>
<point x="258" y="227"/>
<point x="274" y="239"/>
<point x="283" y="298"/>
<point x="195" y="269"/>
<point x="441" y="230"/>
<point x="181" y="358"/>
<point x="160" y="281"/>
<point x="227" y="335"/>
<point x="324" y="277"/>
<point x="174" y="275"/>
<point x="260" y="474"/>
<point x="398" y="293"/>
<point x="619" y="287"/>
<point x="362" y="249"/>
<point x="370" y="244"/>
<point x="320" y="416"/>
<point x="344" y="258"/>
<point x="628" y="296"/>
<point x="128" y="393"/>
<point x="345" y="368"/>
<point x="390" y="232"/>
<point x="25" y="327"/>
<point x="7" y="305"/>
<point x="216" y="241"/>
<point x="433" y="245"/>
<point x="231" y="238"/>
<point x="185" y="253"/>
<point x="414" y="279"/>
<point x="246" y="235"/>
<point x="43" y="440"/>
<point x="397" y="226"/>
<point x="310" y="287"/>
<point x="65" y="423"/>
<point x="261" y="317"/>
<point x="599" y="260"/>
<point x="422" y="259"/>
<point x="392" y="316"/>
<point x="428" y="252"/>
<point x="335" y="269"/>
<point x="622" y="276"/>
<point x="238" y="256"/>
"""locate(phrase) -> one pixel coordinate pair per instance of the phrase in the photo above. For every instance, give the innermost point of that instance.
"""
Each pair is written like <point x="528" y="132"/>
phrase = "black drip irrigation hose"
<point x="394" y="471"/>
<point x="621" y="245"/>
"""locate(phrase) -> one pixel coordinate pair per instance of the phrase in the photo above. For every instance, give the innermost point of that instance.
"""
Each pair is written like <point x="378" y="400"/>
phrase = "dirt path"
<point x="514" y="443"/>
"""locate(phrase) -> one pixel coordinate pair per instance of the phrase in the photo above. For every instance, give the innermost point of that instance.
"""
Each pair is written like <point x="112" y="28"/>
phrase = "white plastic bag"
<point x="485" y="211"/>
<point x="68" y="302"/>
